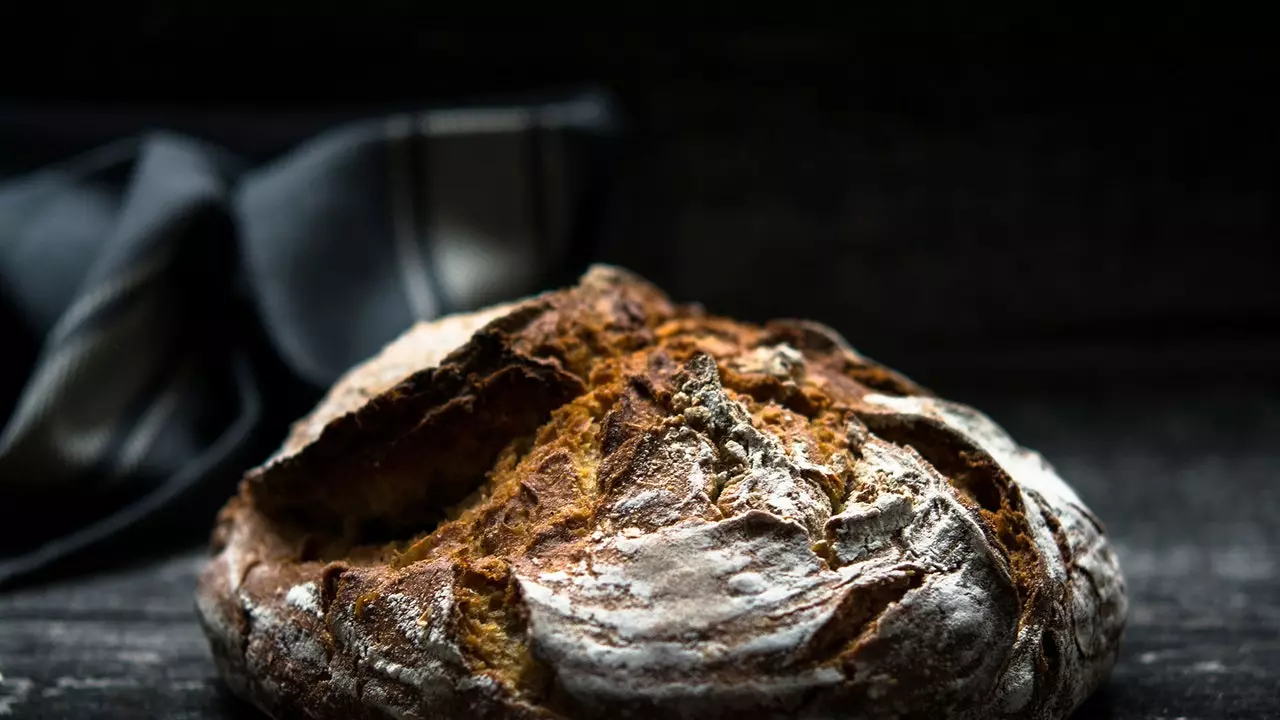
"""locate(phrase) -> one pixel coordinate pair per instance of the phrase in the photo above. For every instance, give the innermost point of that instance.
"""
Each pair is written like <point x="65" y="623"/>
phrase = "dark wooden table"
<point x="1187" y="483"/>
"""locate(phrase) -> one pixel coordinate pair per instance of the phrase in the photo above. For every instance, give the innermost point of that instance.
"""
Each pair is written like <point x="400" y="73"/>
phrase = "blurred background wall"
<point x="968" y="202"/>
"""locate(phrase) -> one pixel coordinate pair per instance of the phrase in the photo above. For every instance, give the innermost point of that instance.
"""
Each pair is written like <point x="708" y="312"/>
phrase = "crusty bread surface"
<point x="595" y="503"/>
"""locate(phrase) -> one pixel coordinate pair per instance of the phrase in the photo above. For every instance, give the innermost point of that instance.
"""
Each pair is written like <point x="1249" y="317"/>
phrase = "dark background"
<point x="937" y="191"/>
<point x="1067" y="222"/>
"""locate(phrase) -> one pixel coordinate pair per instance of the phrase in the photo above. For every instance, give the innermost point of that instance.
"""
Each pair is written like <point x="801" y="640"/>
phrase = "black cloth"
<point x="167" y="306"/>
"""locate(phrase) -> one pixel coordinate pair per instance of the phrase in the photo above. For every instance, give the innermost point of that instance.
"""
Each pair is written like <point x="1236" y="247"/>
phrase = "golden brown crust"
<point x="601" y="504"/>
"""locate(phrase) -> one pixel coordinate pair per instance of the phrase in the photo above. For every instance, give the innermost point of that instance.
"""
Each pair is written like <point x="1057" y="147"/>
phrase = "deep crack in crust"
<point x="595" y="503"/>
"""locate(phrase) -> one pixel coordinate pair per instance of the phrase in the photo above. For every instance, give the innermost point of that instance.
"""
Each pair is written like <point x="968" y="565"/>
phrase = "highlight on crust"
<point x="598" y="503"/>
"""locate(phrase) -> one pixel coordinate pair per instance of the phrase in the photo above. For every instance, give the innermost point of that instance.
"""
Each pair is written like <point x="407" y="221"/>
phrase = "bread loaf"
<point x="597" y="504"/>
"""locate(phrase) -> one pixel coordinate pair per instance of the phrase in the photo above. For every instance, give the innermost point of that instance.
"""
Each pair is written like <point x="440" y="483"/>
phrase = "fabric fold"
<point x="185" y="300"/>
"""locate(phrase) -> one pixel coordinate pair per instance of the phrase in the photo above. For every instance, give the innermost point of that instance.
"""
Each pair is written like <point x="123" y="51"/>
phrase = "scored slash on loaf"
<point x="597" y="503"/>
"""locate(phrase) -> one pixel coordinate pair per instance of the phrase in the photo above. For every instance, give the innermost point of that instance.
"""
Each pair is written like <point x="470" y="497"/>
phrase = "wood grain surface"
<point x="1186" y="483"/>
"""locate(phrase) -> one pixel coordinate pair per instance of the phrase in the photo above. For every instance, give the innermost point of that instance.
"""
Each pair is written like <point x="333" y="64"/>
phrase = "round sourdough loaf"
<point x="597" y="504"/>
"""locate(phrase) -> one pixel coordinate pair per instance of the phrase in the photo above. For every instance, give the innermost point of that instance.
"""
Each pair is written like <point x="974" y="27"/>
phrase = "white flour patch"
<point x="749" y="587"/>
<point x="765" y="476"/>
<point x="307" y="649"/>
<point x="408" y="615"/>
<point x="432" y="664"/>
<point x="780" y="361"/>
<point x="1025" y="466"/>
<point x="263" y="618"/>
<point x="305" y="597"/>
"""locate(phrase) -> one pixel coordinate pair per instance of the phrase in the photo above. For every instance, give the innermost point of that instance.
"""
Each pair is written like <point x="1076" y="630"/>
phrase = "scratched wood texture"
<point x="1186" y="483"/>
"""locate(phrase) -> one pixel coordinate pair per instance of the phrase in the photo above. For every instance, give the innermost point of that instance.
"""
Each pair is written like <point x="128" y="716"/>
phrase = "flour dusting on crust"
<point x="657" y="514"/>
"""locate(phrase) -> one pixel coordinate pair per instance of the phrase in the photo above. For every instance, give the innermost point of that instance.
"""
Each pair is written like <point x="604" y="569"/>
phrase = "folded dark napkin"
<point x="173" y="307"/>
